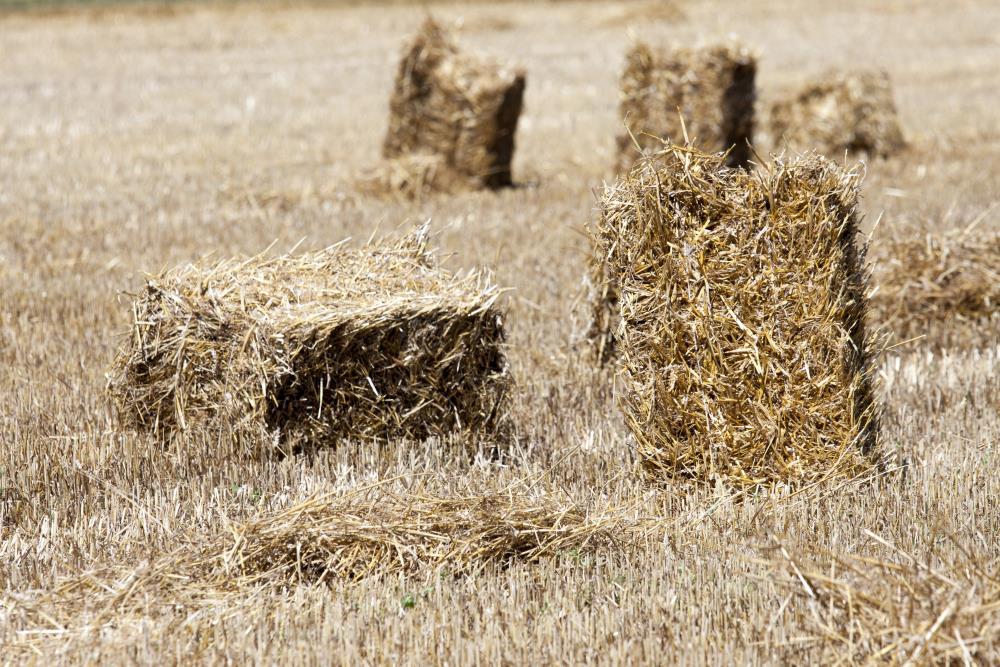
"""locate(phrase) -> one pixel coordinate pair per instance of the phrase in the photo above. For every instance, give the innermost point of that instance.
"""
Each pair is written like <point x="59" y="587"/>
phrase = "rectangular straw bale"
<point x="461" y="107"/>
<point x="742" y="301"/>
<point x="943" y="288"/>
<point x="711" y="88"/>
<point x="363" y="344"/>
<point x="840" y="112"/>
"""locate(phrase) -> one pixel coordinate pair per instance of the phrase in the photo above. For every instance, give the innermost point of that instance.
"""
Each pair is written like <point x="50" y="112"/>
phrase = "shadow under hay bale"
<point x="363" y="344"/>
<point x="944" y="288"/>
<point x="851" y="112"/>
<point x="742" y="300"/>
<point x="457" y="108"/>
<point x="712" y="89"/>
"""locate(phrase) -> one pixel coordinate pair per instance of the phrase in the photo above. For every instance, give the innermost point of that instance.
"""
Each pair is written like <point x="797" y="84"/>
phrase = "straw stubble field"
<point x="134" y="141"/>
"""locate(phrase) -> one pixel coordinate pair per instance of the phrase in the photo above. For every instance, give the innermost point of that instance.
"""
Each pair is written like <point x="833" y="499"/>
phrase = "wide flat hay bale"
<point x="364" y="344"/>
<point x="712" y="89"/>
<point x="460" y="107"/>
<point x="742" y="305"/>
<point x="840" y="112"/>
<point x="939" y="286"/>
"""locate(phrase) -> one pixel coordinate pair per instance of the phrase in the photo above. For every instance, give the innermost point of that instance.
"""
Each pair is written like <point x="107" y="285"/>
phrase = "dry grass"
<point x="941" y="288"/>
<point x="130" y="145"/>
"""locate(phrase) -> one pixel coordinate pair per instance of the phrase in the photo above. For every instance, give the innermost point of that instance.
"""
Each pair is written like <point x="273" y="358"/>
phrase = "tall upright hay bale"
<point x="840" y="112"/>
<point x="362" y="344"/>
<point x="939" y="286"/>
<point x="712" y="89"/>
<point x="460" y="107"/>
<point x="742" y="306"/>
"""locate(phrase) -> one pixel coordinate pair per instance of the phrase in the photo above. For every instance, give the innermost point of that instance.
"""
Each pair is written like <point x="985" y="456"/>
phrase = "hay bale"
<point x="840" y="112"/>
<point x="711" y="88"/>
<point x="364" y="344"/>
<point x="459" y="107"/>
<point x="742" y="305"/>
<point x="939" y="286"/>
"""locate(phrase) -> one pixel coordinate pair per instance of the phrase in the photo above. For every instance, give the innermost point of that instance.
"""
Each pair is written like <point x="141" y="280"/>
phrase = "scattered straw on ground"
<point x="369" y="343"/>
<point x="705" y="94"/>
<point x="462" y="109"/>
<point x="903" y="610"/>
<point x="840" y="112"/>
<point x="937" y="285"/>
<point x="742" y="300"/>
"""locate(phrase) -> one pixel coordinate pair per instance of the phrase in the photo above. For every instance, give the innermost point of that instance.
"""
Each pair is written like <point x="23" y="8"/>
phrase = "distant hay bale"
<point x="639" y="12"/>
<point x="937" y="285"/>
<point x="840" y="112"/>
<point x="742" y="301"/>
<point x="712" y="89"/>
<point x="362" y="344"/>
<point x="457" y="107"/>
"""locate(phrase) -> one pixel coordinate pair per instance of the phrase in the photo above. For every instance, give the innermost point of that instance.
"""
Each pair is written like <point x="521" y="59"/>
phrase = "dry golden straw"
<point x="368" y="344"/>
<point x="938" y="285"/>
<point x="458" y="110"/>
<point x="901" y="610"/>
<point x="742" y="301"/>
<point x="840" y="112"/>
<point x="710" y="91"/>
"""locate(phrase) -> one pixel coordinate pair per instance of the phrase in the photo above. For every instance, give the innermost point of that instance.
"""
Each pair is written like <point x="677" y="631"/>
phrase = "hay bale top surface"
<point x="742" y="306"/>
<point x="334" y="284"/>
<point x="840" y="111"/>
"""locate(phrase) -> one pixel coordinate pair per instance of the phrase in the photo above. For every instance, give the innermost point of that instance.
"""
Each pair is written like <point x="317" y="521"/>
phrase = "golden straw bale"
<point x="711" y="90"/>
<point x="742" y="302"/>
<point x="939" y="285"/>
<point x="840" y="112"/>
<point x="459" y="107"/>
<point x="365" y="344"/>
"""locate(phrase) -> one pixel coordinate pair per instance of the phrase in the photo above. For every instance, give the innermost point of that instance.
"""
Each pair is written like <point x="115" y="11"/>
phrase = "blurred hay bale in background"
<point x="840" y="112"/>
<point x="712" y="89"/>
<point x="937" y="285"/>
<point x="641" y="12"/>
<point x="411" y="177"/>
<point x="458" y="107"/>
<point x="365" y="344"/>
<point x="742" y="306"/>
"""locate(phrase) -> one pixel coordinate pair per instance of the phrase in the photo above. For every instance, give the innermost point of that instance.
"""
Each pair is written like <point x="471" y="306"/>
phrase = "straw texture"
<point x="742" y="308"/>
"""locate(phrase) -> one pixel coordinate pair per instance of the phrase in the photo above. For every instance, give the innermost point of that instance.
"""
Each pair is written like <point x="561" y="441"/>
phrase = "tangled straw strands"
<point x="364" y="344"/>
<point x="340" y="538"/>
<point x="840" y="112"/>
<point x="461" y="108"/>
<point x="706" y="94"/>
<point x="742" y="303"/>
<point x="899" y="610"/>
<point x="938" y="285"/>
<point x="357" y="535"/>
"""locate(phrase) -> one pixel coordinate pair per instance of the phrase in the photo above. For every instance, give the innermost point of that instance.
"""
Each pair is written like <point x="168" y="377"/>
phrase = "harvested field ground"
<point x="136" y="140"/>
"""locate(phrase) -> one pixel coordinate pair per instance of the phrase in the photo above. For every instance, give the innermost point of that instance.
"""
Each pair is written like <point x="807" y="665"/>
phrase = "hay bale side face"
<point x="742" y="306"/>
<point x="850" y="112"/>
<point x="713" y="90"/>
<point x="459" y="107"/>
<point x="366" y="344"/>
<point x="939" y="286"/>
